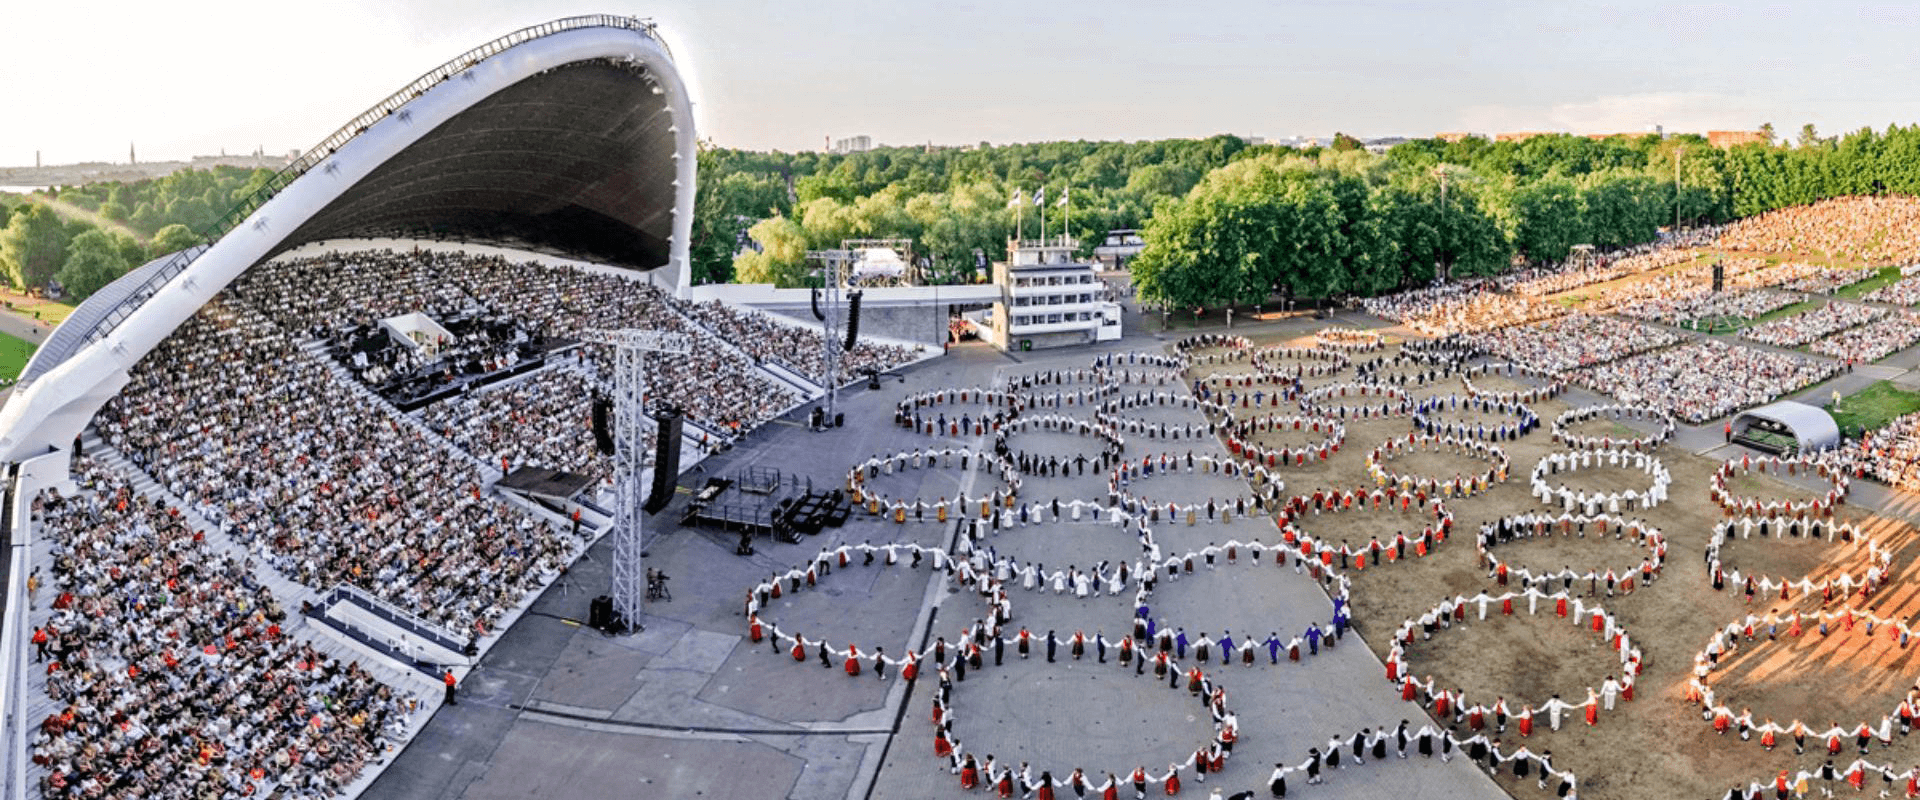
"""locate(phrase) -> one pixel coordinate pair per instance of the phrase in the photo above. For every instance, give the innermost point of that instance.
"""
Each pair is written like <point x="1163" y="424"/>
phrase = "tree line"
<point x="950" y="201"/>
<point x="101" y="230"/>
<point x="1324" y="224"/>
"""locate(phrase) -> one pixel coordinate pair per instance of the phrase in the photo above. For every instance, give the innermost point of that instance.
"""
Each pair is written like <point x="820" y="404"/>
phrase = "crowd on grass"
<point x="1572" y="341"/>
<point x="1704" y="379"/>
<point x="1464" y="307"/>
<point x="1830" y="280"/>
<point x="1891" y="455"/>
<point x="172" y="671"/>
<point x="1697" y="306"/>
<point x="1612" y="266"/>
<point x="1902" y="292"/>
<point x="1881" y="230"/>
<point x="1805" y="327"/>
<point x="1872" y="341"/>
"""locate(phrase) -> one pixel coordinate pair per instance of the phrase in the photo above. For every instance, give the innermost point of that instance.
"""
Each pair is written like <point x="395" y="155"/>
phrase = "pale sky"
<point x="81" y="80"/>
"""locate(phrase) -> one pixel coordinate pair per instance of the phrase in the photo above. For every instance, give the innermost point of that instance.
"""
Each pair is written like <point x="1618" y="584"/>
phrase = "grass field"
<point x="1873" y="407"/>
<point x="36" y="308"/>
<point x="14" y="352"/>
<point x="1885" y="276"/>
<point x="46" y="311"/>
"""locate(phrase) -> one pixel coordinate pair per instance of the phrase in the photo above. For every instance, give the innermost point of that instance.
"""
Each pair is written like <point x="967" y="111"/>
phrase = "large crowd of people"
<point x="322" y="484"/>
<point x="1694" y="306"/>
<point x="331" y="295"/>
<point x="1611" y="266"/>
<point x="1573" y="341"/>
<point x="1881" y="230"/>
<point x="1903" y="292"/>
<point x="1704" y="379"/>
<point x="540" y="421"/>
<point x="1803" y="328"/>
<point x="174" y="671"/>
<point x="1872" y="341"/>
<point x="1891" y="455"/>
<point x="1462" y="307"/>
<point x="798" y="346"/>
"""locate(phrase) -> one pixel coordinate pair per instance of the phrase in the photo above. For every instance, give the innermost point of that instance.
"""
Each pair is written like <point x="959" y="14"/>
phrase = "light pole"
<point x="1676" y="189"/>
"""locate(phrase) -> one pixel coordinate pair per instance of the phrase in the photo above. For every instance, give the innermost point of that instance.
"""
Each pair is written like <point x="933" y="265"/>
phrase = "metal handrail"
<point x="178" y="262"/>
<point x="420" y="626"/>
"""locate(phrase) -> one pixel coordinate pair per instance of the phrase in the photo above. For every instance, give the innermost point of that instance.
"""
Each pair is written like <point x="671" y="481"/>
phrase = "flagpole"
<point x="1067" y="195"/>
<point x="1043" y="215"/>
<point x="1019" y="216"/>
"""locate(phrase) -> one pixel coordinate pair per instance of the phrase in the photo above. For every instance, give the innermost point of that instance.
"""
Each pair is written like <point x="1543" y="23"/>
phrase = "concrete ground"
<point x="690" y="708"/>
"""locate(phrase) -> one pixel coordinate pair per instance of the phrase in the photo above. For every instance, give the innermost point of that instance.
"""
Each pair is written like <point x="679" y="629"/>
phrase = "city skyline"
<point x="764" y="76"/>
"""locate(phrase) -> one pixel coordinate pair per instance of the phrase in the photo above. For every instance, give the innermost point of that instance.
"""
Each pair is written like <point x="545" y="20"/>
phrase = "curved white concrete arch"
<point x="46" y="413"/>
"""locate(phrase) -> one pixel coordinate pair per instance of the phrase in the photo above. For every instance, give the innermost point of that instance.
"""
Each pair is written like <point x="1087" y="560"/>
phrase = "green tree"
<point x="1547" y="222"/>
<point x="93" y="260"/>
<point x="33" y="246"/>
<point x="1343" y="143"/>
<point x="1808" y="136"/>
<point x="1161" y="180"/>
<point x="172" y="238"/>
<point x="782" y="257"/>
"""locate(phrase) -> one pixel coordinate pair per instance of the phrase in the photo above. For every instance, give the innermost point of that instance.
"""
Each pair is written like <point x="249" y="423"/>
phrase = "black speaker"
<point x="839" y="420"/>
<point x="853" y="320"/>
<point x="1719" y="277"/>
<point x="666" y="459"/>
<point x="603" y="424"/>
<point x="600" y="613"/>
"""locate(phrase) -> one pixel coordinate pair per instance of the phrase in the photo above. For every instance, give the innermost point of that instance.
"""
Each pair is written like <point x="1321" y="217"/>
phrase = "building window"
<point x="1053" y="319"/>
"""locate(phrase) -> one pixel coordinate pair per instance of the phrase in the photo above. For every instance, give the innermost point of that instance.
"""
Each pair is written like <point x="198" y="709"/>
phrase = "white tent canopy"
<point x="878" y="262"/>
<point x="1812" y="427"/>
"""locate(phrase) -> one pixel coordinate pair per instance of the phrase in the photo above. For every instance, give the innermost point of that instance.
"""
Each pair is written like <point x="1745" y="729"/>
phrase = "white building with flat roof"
<point x="1050" y="299"/>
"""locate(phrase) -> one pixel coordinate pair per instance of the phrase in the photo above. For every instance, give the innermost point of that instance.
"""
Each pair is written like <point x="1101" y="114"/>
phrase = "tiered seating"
<point x="172" y="672"/>
<point x="265" y="442"/>
<point x="540" y="421"/>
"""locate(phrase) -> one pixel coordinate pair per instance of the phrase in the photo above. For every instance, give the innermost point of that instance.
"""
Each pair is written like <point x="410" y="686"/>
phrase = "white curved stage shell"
<point x="49" y="411"/>
<point x="53" y="404"/>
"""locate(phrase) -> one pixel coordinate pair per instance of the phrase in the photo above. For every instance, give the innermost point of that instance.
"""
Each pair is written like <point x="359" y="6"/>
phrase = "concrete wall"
<point x="925" y="324"/>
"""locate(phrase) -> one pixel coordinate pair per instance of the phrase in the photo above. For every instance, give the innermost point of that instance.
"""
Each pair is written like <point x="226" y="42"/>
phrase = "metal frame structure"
<point x="630" y="348"/>
<point x="833" y="275"/>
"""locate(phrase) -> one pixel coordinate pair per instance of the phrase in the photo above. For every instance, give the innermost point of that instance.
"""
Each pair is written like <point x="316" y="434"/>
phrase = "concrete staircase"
<point x="790" y="377"/>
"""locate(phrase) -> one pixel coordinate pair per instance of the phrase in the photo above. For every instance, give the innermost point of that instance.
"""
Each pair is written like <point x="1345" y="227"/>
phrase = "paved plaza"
<point x="692" y="708"/>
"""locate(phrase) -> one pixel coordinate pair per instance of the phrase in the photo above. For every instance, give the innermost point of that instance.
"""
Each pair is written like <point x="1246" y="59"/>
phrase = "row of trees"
<point x="1323" y="224"/>
<point x="136" y="221"/>
<point x="196" y="198"/>
<point x="950" y="201"/>
<point x="38" y="248"/>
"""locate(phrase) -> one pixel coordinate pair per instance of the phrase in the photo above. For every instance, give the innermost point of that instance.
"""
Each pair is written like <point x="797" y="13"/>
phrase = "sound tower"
<point x="666" y="458"/>
<point x="603" y="423"/>
<point x="1719" y="277"/>
<point x="853" y="320"/>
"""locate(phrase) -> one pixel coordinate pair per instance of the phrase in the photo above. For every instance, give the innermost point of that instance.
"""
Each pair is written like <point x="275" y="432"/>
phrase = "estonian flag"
<point x="1064" y="194"/>
<point x="1040" y="196"/>
<point x="1014" y="201"/>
